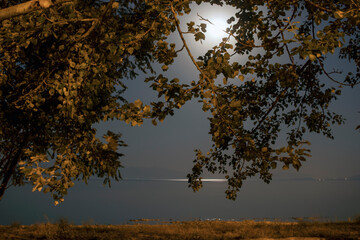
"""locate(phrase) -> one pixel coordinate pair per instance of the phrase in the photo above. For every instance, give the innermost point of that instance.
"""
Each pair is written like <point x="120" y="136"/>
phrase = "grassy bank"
<point x="209" y="230"/>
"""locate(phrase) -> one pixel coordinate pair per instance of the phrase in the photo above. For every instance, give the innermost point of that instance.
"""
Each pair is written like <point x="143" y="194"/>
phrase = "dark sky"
<point x="166" y="151"/>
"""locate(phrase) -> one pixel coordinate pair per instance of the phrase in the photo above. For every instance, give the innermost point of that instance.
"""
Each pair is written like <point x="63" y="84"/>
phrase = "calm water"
<point x="336" y="200"/>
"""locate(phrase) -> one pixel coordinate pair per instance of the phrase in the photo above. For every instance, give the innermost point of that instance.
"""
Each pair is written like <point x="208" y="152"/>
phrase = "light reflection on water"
<point x="173" y="179"/>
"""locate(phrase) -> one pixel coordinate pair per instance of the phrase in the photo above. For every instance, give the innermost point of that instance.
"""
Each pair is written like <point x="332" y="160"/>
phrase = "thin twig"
<point x="332" y="79"/>
<point x="180" y="49"/>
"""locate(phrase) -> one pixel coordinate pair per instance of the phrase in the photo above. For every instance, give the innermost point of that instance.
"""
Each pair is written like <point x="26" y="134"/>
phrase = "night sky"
<point x="167" y="150"/>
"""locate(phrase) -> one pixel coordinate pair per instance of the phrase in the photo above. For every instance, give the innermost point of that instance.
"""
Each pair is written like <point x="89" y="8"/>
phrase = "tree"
<point x="63" y="68"/>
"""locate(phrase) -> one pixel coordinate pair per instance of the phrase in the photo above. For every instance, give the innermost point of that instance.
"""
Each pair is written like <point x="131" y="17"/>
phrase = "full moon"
<point x="216" y="31"/>
<point x="215" y="18"/>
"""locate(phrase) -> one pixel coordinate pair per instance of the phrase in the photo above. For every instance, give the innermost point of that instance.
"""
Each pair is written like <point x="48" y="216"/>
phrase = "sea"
<point x="168" y="200"/>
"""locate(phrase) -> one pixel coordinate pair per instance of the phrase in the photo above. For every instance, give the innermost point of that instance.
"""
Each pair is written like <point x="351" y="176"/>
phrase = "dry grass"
<point x="209" y="230"/>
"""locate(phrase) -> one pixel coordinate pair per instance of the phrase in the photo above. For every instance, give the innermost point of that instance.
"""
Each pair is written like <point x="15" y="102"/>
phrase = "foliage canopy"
<point x="63" y="66"/>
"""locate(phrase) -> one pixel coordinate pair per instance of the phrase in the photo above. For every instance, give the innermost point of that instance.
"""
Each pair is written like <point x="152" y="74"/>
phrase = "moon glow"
<point x="216" y="31"/>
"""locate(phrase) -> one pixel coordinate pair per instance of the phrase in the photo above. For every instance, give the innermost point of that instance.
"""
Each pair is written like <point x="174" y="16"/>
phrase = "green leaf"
<point x="312" y="57"/>
<point x="154" y="122"/>
<point x="138" y="103"/>
<point x="285" y="167"/>
<point x="199" y="36"/>
<point x="130" y="50"/>
<point x="339" y="14"/>
<point x="165" y="67"/>
<point x="273" y="165"/>
<point x="207" y="94"/>
<point x="146" y="109"/>
<point x="203" y="27"/>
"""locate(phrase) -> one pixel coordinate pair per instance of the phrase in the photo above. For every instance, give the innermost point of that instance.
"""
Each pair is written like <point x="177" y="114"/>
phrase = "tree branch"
<point x="319" y="6"/>
<point x="281" y="94"/>
<point x="282" y="32"/>
<point x="185" y="44"/>
<point x="205" y="76"/>
<point x="27" y="7"/>
<point x="98" y="21"/>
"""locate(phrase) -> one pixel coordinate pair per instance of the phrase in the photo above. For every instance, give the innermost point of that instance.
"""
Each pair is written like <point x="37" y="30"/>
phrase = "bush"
<point x="357" y="218"/>
<point x="63" y="231"/>
<point x="15" y="224"/>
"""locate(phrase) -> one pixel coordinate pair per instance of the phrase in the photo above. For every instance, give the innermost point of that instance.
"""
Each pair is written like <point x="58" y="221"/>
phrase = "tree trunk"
<point x="27" y="7"/>
<point x="10" y="169"/>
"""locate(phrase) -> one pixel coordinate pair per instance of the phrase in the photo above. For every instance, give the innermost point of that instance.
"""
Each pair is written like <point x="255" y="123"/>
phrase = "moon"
<point x="215" y="18"/>
<point x="216" y="29"/>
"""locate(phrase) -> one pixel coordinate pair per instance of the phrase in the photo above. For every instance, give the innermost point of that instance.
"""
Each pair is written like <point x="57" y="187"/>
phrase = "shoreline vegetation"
<point x="150" y="229"/>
